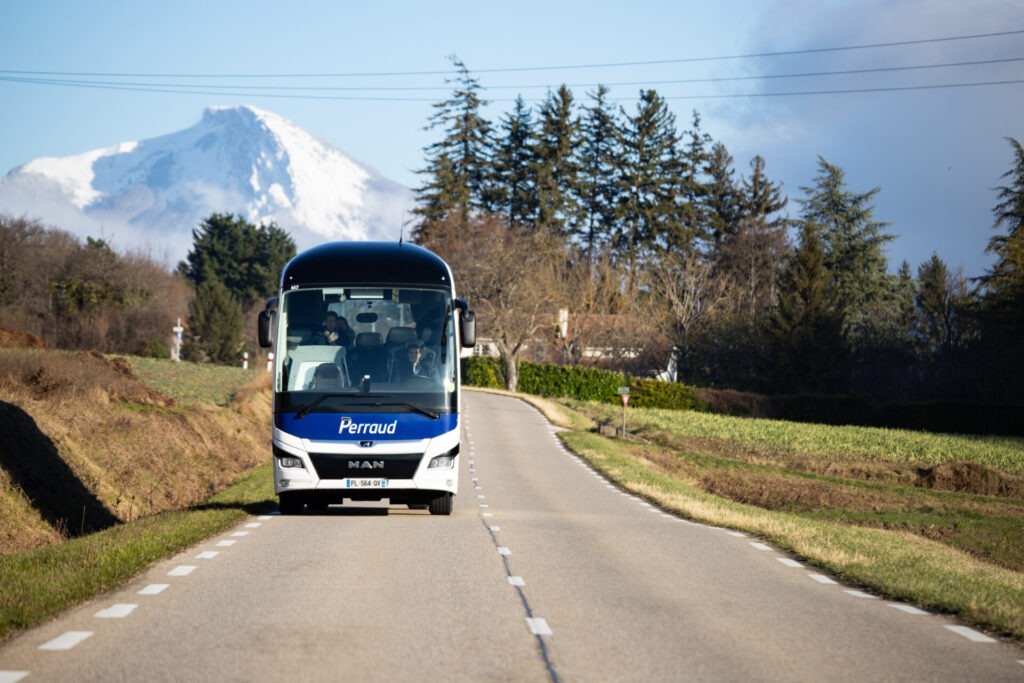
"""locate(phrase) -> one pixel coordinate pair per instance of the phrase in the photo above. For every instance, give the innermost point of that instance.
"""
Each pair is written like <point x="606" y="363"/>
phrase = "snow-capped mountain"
<point x="150" y="195"/>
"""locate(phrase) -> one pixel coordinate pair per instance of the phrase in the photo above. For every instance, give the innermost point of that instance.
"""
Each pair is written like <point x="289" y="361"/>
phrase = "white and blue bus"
<point x="366" y="339"/>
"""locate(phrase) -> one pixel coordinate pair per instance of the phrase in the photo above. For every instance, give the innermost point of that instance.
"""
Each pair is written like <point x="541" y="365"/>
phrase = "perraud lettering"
<point x="357" y="429"/>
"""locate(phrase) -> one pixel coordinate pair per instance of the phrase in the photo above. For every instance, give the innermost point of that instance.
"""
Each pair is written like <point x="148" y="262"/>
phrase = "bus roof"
<point x="366" y="263"/>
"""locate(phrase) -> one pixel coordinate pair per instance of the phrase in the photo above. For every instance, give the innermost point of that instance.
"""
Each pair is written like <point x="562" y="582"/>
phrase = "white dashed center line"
<point x="504" y="551"/>
<point x="66" y="641"/>
<point x="119" y="611"/>
<point x="516" y="581"/>
<point x="207" y="555"/>
<point x="538" y="627"/>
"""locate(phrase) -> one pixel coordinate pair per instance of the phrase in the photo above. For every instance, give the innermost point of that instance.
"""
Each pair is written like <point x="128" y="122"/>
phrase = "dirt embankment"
<point x="87" y="444"/>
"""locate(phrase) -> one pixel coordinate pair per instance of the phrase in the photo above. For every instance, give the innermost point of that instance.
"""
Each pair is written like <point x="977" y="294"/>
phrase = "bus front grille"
<point x="334" y="466"/>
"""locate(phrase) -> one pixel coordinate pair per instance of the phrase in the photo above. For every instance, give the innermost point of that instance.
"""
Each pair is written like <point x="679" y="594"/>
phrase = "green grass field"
<point x="193" y="382"/>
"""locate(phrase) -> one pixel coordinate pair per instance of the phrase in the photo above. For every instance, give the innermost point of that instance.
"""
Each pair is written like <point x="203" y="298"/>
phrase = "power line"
<point x="717" y="79"/>
<point x="681" y="60"/>
<point x="186" y="91"/>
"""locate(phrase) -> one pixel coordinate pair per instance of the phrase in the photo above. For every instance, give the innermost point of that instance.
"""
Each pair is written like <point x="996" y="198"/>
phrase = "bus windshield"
<point x="382" y="348"/>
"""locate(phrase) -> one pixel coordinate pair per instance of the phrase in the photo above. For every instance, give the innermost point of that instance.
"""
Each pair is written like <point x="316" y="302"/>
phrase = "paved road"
<point x="544" y="572"/>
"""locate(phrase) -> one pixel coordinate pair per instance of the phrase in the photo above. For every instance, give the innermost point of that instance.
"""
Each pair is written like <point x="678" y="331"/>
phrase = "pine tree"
<point x="1004" y="282"/>
<point x="722" y="199"/>
<point x="513" y="165"/>
<point x="853" y="244"/>
<point x="457" y="166"/>
<point x="555" y="166"/>
<point x="248" y="259"/>
<point x="805" y="327"/>
<point x="215" y="324"/>
<point x="649" y="183"/>
<point x="598" y="192"/>
<point x="1002" y="303"/>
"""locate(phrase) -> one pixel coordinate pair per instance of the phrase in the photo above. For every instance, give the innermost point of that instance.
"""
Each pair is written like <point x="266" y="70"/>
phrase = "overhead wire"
<point x="84" y="79"/>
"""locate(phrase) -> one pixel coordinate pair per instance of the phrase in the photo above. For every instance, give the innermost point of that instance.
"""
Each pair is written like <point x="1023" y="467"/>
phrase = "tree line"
<point x="75" y="295"/>
<point x="664" y="255"/>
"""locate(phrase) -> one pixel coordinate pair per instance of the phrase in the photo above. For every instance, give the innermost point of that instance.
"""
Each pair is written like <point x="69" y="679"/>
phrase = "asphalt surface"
<point x="544" y="572"/>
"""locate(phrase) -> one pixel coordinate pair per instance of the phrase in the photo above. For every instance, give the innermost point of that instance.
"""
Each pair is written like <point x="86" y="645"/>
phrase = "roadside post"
<point x="624" y="392"/>
<point x="177" y="329"/>
<point x="270" y="361"/>
<point x="245" y="360"/>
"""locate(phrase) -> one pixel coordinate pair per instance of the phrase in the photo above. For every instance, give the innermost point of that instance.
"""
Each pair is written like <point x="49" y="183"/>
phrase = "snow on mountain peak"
<point x="237" y="159"/>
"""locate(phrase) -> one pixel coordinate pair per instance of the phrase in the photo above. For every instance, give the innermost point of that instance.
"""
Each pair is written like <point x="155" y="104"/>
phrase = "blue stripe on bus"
<point x="367" y="426"/>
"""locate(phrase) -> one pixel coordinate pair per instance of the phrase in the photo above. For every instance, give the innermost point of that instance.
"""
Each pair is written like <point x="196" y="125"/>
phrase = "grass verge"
<point x="37" y="584"/>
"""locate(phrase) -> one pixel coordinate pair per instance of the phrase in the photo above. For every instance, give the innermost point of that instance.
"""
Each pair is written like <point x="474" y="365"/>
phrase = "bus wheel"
<point x="442" y="505"/>
<point x="289" y="503"/>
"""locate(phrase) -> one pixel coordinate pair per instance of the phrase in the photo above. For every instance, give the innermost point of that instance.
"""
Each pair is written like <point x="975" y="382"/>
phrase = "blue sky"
<point x="935" y="153"/>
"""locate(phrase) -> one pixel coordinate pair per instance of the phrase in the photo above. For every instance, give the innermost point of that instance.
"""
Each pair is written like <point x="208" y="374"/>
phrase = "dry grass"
<point x="90" y="444"/>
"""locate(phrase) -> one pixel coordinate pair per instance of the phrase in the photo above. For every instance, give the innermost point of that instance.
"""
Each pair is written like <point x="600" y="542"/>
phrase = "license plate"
<point x="366" y="483"/>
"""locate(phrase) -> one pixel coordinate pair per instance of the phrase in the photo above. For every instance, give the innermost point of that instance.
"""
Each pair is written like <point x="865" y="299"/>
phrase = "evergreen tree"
<point x="1004" y="282"/>
<point x="805" y="327"/>
<point x="215" y="324"/>
<point x="649" y="181"/>
<point x="722" y="201"/>
<point x="598" y="159"/>
<point x="247" y="259"/>
<point x="457" y="165"/>
<point x="1002" y="303"/>
<point x="555" y="167"/>
<point x="752" y="249"/>
<point x="693" y="186"/>
<point x="853" y="244"/>
<point x="513" y="166"/>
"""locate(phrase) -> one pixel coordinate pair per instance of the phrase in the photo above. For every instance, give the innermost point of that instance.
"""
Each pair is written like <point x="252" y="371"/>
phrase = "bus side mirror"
<point x="467" y="324"/>
<point x="467" y="329"/>
<point x="263" y="329"/>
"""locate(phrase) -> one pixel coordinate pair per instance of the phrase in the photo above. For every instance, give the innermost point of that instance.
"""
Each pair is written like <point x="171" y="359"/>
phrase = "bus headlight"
<point x="442" y="462"/>
<point x="289" y="461"/>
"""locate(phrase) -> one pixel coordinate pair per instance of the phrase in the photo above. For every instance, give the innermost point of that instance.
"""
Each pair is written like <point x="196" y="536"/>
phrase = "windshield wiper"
<point x="412" y="406"/>
<point x="306" y="409"/>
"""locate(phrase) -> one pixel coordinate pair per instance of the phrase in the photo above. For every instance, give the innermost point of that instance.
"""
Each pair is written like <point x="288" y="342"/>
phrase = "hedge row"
<point x="593" y="384"/>
<point x="583" y="383"/>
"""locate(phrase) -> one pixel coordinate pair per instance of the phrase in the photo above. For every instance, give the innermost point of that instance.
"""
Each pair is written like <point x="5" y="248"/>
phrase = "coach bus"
<point x="366" y="339"/>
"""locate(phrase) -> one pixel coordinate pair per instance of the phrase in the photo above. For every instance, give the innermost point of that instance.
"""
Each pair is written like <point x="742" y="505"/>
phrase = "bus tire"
<point x="289" y="503"/>
<point x="441" y="505"/>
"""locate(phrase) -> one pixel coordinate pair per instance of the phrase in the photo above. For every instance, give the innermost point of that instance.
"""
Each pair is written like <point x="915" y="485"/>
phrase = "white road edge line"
<point x="821" y="578"/>
<point x="760" y="546"/>
<point x="66" y="641"/>
<point x="182" y="570"/>
<point x="118" y="611"/>
<point x="971" y="635"/>
<point x="909" y="609"/>
<point x="12" y="676"/>
<point x="538" y="627"/>
<point x="154" y="589"/>
<point x="516" y="581"/>
<point x="862" y="594"/>
<point x="789" y="562"/>
<point x="502" y="550"/>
